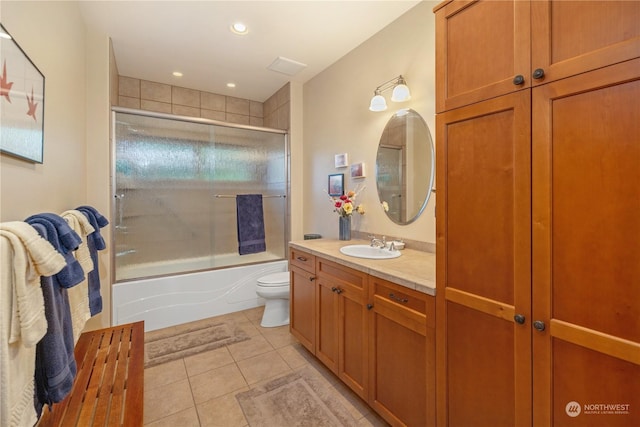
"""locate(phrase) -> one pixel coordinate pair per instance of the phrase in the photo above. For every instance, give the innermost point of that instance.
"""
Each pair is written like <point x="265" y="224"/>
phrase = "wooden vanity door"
<point x="586" y="248"/>
<point x="483" y="265"/>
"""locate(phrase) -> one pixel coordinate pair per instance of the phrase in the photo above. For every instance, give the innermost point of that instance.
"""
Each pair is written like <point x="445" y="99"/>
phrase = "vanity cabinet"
<point x="302" y="298"/>
<point x="341" y="338"/>
<point x="402" y="355"/>
<point x="537" y="213"/>
<point x="375" y="335"/>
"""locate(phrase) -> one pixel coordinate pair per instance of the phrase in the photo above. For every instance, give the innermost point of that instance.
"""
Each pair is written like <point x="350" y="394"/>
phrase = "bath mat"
<point x="176" y="342"/>
<point x="295" y="399"/>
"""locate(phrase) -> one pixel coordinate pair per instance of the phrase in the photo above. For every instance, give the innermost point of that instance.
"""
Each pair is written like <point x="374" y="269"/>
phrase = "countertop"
<point x="413" y="269"/>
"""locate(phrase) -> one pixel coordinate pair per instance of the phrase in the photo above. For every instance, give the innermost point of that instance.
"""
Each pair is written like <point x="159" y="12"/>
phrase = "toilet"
<point x="274" y="288"/>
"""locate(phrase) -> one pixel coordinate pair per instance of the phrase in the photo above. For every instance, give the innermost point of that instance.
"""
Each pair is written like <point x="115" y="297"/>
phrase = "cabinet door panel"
<point x="327" y="329"/>
<point x="591" y="380"/>
<point x="484" y="257"/>
<point x="571" y="37"/>
<point x="302" y="300"/>
<point x="400" y="371"/>
<point x="480" y="47"/>
<point x="353" y="343"/>
<point x="481" y="357"/>
<point x="586" y="199"/>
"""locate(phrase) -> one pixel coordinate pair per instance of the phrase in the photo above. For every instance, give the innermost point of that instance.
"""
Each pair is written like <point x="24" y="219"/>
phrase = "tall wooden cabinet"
<point x="538" y="224"/>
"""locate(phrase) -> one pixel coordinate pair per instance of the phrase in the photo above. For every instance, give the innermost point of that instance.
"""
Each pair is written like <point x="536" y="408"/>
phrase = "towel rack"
<point x="231" y="196"/>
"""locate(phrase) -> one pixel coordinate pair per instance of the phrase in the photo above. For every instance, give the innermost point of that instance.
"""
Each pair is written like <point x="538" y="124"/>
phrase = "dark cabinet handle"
<point x="538" y="73"/>
<point x="539" y="325"/>
<point x="312" y="278"/>
<point x="519" y="318"/>
<point x="518" y="80"/>
<point x="402" y="300"/>
<point x="336" y="290"/>
<point x="301" y="258"/>
<point x="369" y="306"/>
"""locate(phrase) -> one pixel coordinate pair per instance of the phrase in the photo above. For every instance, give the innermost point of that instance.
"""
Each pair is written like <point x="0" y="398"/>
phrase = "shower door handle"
<point x="119" y="207"/>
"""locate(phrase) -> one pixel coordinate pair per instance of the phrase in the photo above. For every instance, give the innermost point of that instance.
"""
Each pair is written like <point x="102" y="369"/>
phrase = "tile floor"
<point x="200" y="390"/>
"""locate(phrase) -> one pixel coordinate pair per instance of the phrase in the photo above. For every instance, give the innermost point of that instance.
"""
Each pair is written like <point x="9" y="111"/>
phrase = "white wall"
<point x="75" y="170"/>
<point x="337" y="120"/>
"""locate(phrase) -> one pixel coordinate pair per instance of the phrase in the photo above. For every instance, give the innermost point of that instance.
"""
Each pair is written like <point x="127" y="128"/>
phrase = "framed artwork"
<point x="336" y="184"/>
<point x="357" y="170"/>
<point x="22" y="102"/>
<point x="341" y="160"/>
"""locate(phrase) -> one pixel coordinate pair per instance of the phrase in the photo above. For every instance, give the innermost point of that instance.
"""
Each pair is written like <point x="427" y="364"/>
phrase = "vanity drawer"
<point x="303" y="260"/>
<point x="403" y="301"/>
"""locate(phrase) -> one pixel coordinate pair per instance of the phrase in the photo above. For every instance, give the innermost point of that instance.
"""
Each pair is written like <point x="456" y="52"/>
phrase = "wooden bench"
<point x="108" y="388"/>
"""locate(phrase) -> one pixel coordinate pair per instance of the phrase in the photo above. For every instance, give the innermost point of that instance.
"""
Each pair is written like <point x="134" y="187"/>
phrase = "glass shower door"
<point x="163" y="196"/>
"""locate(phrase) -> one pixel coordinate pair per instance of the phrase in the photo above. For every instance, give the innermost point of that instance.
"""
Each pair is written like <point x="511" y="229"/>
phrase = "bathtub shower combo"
<point x="175" y="180"/>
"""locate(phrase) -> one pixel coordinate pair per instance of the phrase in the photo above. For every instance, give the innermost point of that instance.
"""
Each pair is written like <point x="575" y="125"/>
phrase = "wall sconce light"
<point x="400" y="93"/>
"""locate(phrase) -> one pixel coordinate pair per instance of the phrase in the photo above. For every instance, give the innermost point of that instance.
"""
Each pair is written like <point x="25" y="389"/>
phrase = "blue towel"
<point x="250" y="220"/>
<point x="68" y="238"/>
<point x="55" y="367"/>
<point x="95" y="243"/>
<point x="64" y="240"/>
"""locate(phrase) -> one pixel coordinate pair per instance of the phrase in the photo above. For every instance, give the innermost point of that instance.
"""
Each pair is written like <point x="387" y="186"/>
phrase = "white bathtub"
<point x="172" y="300"/>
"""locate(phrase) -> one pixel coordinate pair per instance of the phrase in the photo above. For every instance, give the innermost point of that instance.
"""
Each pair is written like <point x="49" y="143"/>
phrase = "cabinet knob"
<point x="538" y="73"/>
<point x="301" y="258"/>
<point x="518" y="80"/>
<point x="369" y="306"/>
<point x="519" y="318"/>
<point x="312" y="278"/>
<point x="539" y="325"/>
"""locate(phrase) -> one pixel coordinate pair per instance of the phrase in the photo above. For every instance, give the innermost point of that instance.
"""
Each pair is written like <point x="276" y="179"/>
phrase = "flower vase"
<point x="345" y="227"/>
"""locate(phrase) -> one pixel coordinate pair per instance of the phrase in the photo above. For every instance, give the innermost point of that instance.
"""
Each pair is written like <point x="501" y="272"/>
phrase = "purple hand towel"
<point x="250" y="221"/>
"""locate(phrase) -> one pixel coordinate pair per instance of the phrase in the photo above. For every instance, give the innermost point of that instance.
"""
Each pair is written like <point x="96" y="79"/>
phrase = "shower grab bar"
<point x="231" y="196"/>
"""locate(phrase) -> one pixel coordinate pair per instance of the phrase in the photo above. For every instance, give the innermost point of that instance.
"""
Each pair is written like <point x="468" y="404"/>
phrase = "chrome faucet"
<point x="380" y="243"/>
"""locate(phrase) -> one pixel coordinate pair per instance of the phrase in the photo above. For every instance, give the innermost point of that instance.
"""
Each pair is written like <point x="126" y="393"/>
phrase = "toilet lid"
<point x="275" y="279"/>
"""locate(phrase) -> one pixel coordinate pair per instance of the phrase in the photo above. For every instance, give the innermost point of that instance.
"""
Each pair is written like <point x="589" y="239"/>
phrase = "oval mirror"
<point x="404" y="166"/>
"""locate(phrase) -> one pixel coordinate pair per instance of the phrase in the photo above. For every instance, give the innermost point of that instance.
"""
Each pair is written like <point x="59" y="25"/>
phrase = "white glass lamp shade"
<point x="378" y="103"/>
<point x="401" y="93"/>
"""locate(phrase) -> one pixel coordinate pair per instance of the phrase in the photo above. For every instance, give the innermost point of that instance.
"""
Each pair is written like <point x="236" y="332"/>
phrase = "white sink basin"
<point x="366" y="251"/>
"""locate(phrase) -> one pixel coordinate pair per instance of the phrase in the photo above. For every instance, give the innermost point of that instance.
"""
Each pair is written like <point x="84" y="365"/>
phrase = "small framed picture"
<point x="357" y="170"/>
<point x="336" y="184"/>
<point x="341" y="160"/>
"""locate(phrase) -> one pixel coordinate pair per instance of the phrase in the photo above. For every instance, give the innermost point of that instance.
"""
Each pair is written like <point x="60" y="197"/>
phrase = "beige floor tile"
<point x="263" y="367"/>
<point x="202" y="362"/>
<point x="278" y="337"/>
<point x="164" y="374"/>
<point x="357" y="407"/>
<point x="223" y="411"/>
<point x="186" y="418"/>
<point x="166" y="400"/>
<point x="291" y="354"/>
<point x="216" y="383"/>
<point x="246" y="349"/>
<point x="255" y="314"/>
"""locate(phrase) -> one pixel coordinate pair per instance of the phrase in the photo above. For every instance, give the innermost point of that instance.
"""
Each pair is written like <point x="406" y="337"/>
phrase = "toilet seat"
<point x="274" y="279"/>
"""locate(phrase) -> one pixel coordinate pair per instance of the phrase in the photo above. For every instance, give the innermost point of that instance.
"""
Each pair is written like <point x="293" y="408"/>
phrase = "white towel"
<point x="24" y="257"/>
<point x="79" y="294"/>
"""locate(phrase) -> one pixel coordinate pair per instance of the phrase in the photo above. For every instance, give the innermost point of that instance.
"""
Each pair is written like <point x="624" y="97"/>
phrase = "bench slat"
<point x="108" y="389"/>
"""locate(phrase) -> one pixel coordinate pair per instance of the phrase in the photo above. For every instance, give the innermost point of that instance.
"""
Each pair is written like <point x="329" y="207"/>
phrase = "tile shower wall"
<point x="164" y="98"/>
<point x="276" y="109"/>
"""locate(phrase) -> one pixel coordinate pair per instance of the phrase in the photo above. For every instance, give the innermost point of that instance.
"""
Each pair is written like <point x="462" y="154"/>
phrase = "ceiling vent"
<point x="286" y="66"/>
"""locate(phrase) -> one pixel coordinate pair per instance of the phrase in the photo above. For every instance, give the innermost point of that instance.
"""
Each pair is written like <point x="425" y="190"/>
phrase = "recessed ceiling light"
<point x="177" y="74"/>
<point x="231" y="85"/>
<point x="239" y="28"/>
